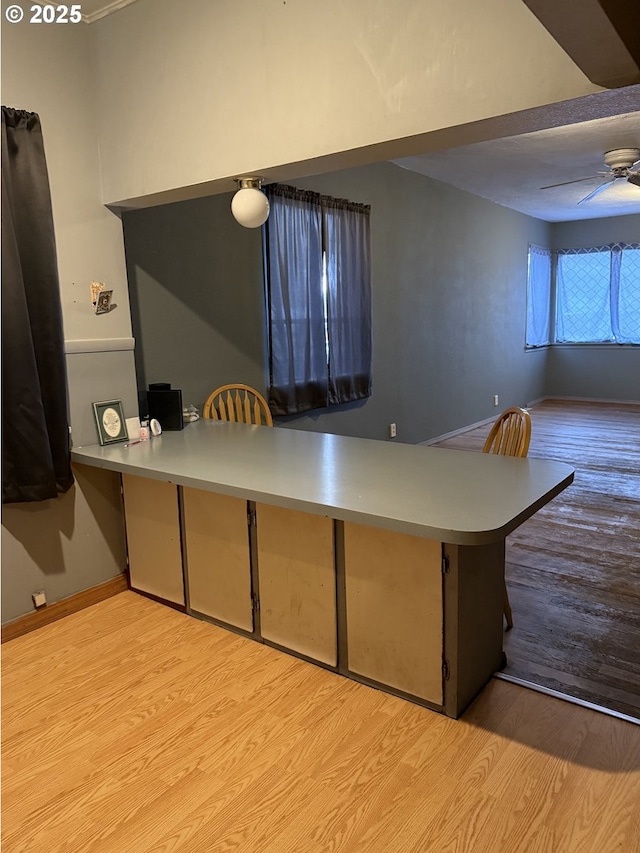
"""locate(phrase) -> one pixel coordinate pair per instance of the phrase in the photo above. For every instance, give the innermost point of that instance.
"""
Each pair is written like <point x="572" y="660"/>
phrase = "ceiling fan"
<point x="619" y="161"/>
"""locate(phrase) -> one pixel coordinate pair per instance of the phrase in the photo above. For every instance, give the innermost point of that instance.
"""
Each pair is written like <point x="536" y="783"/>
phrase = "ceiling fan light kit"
<point x="619" y="162"/>
<point x="622" y="158"/>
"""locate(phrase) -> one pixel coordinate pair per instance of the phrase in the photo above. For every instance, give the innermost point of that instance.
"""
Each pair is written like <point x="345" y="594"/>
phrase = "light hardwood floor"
<point x="130" y="728"/>
<point x="573" y="569"/>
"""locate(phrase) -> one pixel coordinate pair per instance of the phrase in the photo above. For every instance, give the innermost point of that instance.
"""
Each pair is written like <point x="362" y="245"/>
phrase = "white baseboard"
<point x="458" y="431"/>
<point x="530" y="405"/>
<point x="601" y="400"/>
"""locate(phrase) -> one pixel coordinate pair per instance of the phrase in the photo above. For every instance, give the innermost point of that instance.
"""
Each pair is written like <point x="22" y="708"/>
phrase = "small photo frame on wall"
<point x="110" y="420"/>
<point x="103" y="302"/>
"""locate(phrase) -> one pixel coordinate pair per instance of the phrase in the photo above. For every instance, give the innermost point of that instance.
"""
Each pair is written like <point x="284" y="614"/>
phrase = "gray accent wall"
<point x="596" y="232"/>
<point x="65" y="545"/>
<point x="197" y="297"/>
<point x="449" y="284"/>
<point x="606" y="372"/>
<point x="96" y="376"/>
<point x="449" y="304"/>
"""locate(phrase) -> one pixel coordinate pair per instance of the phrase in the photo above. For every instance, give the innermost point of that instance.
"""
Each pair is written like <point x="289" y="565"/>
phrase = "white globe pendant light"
<point x="250" y="206"/>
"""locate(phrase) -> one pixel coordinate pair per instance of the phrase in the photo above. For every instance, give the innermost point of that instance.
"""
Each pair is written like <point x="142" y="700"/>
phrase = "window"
<point x="597" y="295"/>
<point x="317" y="262"/>
<point x="538" y="297"/>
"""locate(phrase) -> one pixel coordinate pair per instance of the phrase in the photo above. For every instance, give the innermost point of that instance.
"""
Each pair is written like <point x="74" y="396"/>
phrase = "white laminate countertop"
<point x="454" y="496"/>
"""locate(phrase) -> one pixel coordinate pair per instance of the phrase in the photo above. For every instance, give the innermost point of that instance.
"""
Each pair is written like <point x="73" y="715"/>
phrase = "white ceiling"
<point x="511" y="170"/>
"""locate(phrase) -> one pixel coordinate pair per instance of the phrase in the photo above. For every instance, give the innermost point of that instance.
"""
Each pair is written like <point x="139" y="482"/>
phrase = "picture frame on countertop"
<point x="110" y="421"/>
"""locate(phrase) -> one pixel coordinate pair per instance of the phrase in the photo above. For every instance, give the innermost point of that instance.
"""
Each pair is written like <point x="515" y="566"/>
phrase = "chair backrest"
<point x="511" y="433"/>
<point x="238" y="403"/>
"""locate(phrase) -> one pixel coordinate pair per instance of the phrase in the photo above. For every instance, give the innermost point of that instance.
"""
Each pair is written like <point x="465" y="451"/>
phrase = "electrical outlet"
<point x="39" y="598"/>
<point x="392" y="431"/>
<point x="496" y="399"/>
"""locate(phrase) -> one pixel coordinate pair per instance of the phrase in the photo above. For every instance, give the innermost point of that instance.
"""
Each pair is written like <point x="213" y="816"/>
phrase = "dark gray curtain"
<point x="297" y="346"/>
<point x="346" y="229"/>
<point x="317" y="251"/>
<point x="35" y="436"/>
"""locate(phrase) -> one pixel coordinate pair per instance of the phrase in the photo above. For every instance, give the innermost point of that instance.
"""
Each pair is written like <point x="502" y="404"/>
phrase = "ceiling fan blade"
<point x="597" y="191"/>
<point x="634" y="178"/>
<point x="565" y="183"/>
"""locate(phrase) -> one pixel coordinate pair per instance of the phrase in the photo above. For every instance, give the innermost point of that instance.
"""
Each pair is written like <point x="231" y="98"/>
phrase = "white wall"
<point x="76" y="541"/>
<point x="197" y="91"/>
<point x="48" y="69"/>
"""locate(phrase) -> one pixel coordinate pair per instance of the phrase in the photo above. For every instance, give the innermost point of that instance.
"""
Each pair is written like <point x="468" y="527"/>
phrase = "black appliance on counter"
<point x="165" y="405"/>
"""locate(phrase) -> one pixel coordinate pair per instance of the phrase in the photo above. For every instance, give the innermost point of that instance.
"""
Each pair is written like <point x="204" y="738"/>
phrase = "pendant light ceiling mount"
<point x="250" y="206"/>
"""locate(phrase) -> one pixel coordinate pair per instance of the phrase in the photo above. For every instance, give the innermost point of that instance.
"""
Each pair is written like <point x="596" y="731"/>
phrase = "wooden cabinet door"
<point x="153" y="537"/>
<point x="394" y="609"/>
<point x="296" y="567"/>
<point x="217" y="557"/>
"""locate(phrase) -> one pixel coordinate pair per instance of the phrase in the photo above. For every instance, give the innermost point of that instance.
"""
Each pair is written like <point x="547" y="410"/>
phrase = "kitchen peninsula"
<point x="381" y="561"/>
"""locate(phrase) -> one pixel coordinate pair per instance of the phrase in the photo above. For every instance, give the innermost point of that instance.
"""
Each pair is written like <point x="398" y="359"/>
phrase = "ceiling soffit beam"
<point x="602" y="37"/>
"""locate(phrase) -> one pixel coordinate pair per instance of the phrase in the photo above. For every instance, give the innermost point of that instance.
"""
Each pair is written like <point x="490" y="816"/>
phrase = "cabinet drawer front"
<point x="217" y="555"/>
<point x="296" y="566"/>
<point x="153" y="537"/>
<point x="394" y="609"/>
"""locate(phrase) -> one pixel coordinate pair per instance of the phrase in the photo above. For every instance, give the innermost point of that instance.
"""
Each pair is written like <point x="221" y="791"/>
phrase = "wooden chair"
<point x="238" y="403"/>
<point x="509" y="436"/>
<point x="511" y="433"/>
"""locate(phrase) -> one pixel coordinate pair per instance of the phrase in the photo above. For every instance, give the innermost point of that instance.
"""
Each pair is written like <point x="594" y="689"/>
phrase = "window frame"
<point x="553" y="296"/>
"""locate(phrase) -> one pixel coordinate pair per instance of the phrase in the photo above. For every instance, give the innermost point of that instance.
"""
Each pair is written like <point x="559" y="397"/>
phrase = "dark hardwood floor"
<point x="573" y="570"/>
